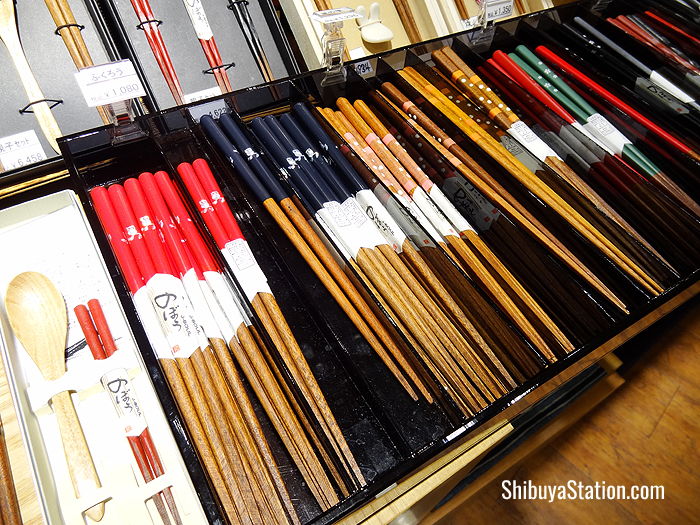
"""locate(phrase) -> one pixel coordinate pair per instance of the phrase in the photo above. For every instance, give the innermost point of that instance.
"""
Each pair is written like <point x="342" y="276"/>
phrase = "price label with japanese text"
<point x="20" y="149"/>
<point x="496" y="9"/>
<point x="109" y="83"/>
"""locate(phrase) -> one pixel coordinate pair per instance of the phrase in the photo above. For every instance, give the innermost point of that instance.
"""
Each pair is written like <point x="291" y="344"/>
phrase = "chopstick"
<point x="72" y="37"/>
<point x="200" y="23"/>
<point x="10" y="36"/>
<point x="99" y="339"/>
<point x="149" y="24"/>
<point x="408" y="21"/>
<point x="9" y="506"/>
<point x="245" y="21"/>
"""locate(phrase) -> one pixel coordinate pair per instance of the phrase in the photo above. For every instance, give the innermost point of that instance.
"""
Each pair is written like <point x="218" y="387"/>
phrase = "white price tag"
<point x="108" y="83"/>
<point x="204" y="94"/>
<point x="214" y="109"/>
<point x="330" y="16"/>
<point x="496" y="9"/>
<point x="20" y="149"/>
<point x="364" y="68"/>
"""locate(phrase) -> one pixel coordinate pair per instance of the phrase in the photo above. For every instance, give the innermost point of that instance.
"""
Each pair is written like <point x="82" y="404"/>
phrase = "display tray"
<point x="391" y="435"/>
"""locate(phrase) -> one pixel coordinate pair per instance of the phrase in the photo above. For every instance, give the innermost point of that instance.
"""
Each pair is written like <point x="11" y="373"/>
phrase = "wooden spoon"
<point x="38" y="317"/>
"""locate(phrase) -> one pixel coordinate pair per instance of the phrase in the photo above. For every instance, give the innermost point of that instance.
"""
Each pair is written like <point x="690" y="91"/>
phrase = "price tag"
<point x="496" y="9"/>
<point x="214" y="109"/>
<point x="109" y="83"/>
<point x="364" y="68"/>
<point x="201" y="95"/>
<point x="330" y="16"/>
<point x="19" y="150"/>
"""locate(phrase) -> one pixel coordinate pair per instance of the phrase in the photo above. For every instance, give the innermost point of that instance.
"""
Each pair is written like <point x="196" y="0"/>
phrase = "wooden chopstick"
<point x="72" y="37"/>
<point x="408" y="21"/>
<point x="10" y="36"/>
<point x="9" y="506"/>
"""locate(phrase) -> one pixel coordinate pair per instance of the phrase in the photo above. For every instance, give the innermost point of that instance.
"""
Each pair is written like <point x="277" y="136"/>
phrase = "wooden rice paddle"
<point x="37" y="314"/>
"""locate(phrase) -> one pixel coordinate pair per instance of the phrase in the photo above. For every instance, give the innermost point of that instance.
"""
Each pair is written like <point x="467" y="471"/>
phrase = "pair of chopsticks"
<point x="403" y="8"/>
<point x="10" y="37"/>
<point x="149" y="24"/>
<point x="204" y="190"/>
<point x="245" y="22"/>
<point x="201" y="26"/>
<point x="101" y="343"/>
<point x="197" y="364"/>
<point x="72" y="37"/>
<point x="539" y="188"/>
<point x="295" y="226"/>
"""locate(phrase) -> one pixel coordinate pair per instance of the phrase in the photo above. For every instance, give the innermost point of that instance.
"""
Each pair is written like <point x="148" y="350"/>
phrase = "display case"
<point x="403" y="419"/>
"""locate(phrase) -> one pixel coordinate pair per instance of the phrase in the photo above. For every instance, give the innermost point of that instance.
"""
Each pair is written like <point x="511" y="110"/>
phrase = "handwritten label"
<point x="109" y="83"/>
<point x="496" y="9"/>
<point x="118" y="386"/>
<point x="201" y="95"/>
<point x="199" y="19"/>
<point x="364" y="68"/>
<point x="384" y="222"/>
<point x="214" y="109"/>
<point x="20" y="149"/>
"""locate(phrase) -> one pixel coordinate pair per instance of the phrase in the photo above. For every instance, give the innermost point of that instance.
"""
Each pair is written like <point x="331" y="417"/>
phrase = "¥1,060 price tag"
<point x="109" y="83"/>
<point x="19" y="150"/>
<point x="496" y="9"/>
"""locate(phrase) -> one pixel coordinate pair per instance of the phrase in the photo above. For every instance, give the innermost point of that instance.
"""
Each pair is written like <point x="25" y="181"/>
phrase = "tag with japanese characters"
<point x="19" y="150"/>
<point x="109" y="83"/>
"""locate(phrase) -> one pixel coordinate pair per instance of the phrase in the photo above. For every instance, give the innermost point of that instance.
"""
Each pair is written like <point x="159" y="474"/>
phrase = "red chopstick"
<point x="211" y="51"/>
<point x="149" y="24"/>
<point x="601" y="91"/>
<point x="99" y="339"/>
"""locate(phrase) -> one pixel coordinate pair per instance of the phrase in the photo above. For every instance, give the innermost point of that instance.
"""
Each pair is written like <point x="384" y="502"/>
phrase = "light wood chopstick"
<point x="72" y="36"/>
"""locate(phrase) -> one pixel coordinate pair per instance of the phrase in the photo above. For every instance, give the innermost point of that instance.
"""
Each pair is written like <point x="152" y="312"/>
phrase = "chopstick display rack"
<point x="472" y="223"/>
